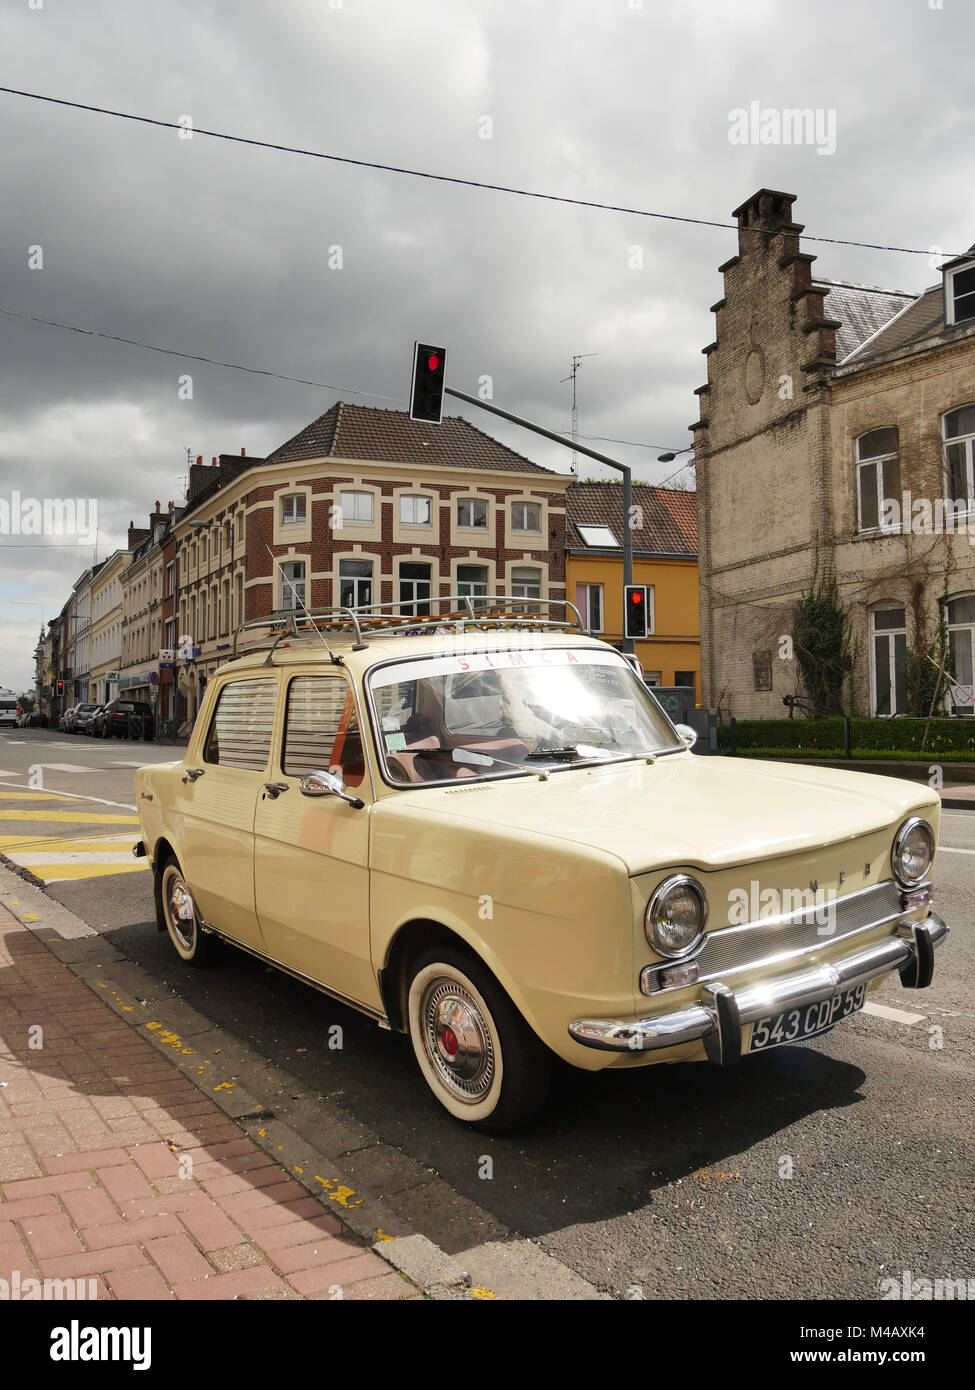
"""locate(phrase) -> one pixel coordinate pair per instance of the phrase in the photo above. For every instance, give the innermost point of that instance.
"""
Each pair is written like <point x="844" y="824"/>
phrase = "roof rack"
<point x="464" y="613"/>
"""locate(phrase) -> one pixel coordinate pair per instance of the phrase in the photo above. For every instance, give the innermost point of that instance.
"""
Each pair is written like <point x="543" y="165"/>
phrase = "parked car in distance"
<point x="484" y="832"/>
<point x="67" y="719"/>
<point x="127" y="719"/>
<point x="96" y="726"/>
<point x="81" y="718"/>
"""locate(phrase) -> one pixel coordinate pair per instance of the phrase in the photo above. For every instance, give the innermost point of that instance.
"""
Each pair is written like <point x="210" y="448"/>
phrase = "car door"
<point x="218" y="803"/>
<point x="311" y="865"/>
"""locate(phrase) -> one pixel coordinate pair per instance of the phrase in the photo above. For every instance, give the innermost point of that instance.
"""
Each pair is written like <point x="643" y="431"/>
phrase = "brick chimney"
<point x="136" y="535"/>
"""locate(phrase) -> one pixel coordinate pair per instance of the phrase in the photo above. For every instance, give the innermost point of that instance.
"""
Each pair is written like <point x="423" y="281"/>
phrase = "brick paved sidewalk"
<point x="115" y="1168"/>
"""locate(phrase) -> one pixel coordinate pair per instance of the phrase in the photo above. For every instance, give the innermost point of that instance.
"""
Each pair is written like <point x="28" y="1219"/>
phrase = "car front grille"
<point x="736" y="948"/>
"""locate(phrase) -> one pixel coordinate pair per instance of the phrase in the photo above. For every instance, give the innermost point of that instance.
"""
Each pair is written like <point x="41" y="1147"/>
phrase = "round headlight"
<point x="913" y="852"/>
<point x="676" y="916"/>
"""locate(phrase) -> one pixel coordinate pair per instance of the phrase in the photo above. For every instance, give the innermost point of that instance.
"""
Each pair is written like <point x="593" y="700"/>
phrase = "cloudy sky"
<point x="223" y="250"/>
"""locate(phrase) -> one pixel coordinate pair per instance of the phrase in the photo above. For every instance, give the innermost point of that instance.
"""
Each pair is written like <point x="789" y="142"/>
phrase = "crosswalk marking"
<point x="895" y="1015"/>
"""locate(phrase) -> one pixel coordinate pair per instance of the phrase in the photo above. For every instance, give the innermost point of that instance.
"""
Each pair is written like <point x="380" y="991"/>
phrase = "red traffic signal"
<point x="635" y="611"/>
<point x="427" y="387"/>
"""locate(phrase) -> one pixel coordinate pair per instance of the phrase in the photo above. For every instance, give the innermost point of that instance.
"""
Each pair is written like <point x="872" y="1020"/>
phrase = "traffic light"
<point x="60" y="689"/>
<point x="426" y="390"/>
<point x="635" y="619"/>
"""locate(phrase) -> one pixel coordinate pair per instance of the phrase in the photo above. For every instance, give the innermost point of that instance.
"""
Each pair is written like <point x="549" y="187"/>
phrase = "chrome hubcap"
<point x="457" y="1040"/>
<point x="182" y="913"/>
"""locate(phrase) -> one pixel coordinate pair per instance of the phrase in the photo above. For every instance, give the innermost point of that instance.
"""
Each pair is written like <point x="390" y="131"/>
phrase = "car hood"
<point x="684" y="809"/>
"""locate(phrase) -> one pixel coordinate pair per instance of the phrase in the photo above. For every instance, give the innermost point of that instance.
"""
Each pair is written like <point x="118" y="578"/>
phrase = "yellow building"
<point x="664" y="558"/>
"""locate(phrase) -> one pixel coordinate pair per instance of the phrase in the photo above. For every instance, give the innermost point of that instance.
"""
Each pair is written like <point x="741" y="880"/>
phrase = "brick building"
<point x="825" y="404"/>
<point x="363" y="506"/>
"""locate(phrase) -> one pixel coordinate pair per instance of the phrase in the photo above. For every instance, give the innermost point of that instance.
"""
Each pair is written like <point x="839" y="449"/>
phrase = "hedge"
<point x="812" y="737"/>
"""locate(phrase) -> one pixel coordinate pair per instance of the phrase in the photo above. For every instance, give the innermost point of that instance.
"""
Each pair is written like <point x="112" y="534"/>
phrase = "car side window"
<point x="322" y="729"/>
<point x="240" y="730"/>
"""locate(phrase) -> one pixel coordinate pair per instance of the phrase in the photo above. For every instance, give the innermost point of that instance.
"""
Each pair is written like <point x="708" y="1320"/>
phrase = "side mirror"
<point x="321" y="783"/>
<point x="688" y="735"/>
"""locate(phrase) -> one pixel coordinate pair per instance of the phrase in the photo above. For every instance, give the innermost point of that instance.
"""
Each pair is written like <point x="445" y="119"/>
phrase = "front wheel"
<point x="193" y="945"/>
<point x="475" y="1051"/>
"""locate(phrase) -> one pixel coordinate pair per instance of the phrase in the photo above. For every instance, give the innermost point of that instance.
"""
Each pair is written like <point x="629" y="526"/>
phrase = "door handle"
<point x="274" y="789"/>
<point x="192" y="773"/>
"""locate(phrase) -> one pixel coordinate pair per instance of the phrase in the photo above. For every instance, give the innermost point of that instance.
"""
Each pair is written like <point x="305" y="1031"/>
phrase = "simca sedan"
<point x="480" y="829"/>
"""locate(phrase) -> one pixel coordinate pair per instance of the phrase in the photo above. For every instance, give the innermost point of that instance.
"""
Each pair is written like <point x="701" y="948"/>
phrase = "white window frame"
<point x="967" y="444"/>
<point x="890" y="633"/>
<point x="951" y="316"/>
<point x="291" y="513"/>
<point x="587" y="585"/>
<point x="405" y="497"/>
<point x="471" y="502"/>
<point x="289" y="601"/>
<point x="523" y="505"/>
<point x="350" y="517"/>
<point x="356" y="580"/>
<point x="959" y="704"/>
<point x="880" y="463"/>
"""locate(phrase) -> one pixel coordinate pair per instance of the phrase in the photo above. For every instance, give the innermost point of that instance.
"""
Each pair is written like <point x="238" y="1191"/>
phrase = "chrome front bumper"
<point x="718" y="1018"/>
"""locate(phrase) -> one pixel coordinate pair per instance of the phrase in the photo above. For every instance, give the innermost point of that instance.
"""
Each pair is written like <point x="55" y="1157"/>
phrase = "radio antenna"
<point x="336" y="660"/>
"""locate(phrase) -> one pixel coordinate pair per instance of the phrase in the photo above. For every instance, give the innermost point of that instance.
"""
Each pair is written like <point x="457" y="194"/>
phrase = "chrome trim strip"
<point x="376" y="1014"/>
<point x="790" y="991"/>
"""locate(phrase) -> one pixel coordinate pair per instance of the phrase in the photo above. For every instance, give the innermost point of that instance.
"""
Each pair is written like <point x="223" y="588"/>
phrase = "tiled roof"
<point x="861" y="310"/>
<point x="922" y="319"/>
<point x="669" y="516"/>
<point x="363" y="432"/>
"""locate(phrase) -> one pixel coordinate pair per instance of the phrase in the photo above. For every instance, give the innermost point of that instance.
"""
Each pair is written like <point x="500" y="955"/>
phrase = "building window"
<point x="213" y="611"/>
<point x="685" y="678"/>
<point x="651" y="677"/>
<point x="414" y="589"/>
<point x="414" y="510"/>
<point x="589" y="601"/>
<point x="225" y="622"/>
<point x="293" y="509"/>
<point x="472" y="513"/>
<point x="762" y="670"/>
<point x="472" y="582"/>
<point x="356" y="507"/>
<point x="526" y="516"/>
<point x="598" y="537"/>
<point x="889" y="652"/>
<point x="526" y="583"/>
<point x="878" y="478"/>
<point x="961" y="645"/>
<point x="204" y="549"/>
<point x="239" y="600"/>
<point x="960" y="292"/>
<point x="959" y="430"/>
<point x="355" y="583"/>
<point x="240" y="526"/>
<point x="292" y="585"/>
<point x="170" y="579"/>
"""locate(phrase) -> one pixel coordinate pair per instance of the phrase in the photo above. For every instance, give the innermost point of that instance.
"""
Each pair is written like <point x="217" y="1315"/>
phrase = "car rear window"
<point x="240" y="730"/>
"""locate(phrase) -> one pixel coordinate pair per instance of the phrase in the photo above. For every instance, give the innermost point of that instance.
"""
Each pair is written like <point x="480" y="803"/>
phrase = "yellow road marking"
<point x="34" y="796"/>
<point x="82" y="818"/>
<point x="51" y="872"/>
<point x="51" y="844"/>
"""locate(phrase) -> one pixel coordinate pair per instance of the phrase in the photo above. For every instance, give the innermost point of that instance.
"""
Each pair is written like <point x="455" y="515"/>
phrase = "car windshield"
<point x="503" y="713"/>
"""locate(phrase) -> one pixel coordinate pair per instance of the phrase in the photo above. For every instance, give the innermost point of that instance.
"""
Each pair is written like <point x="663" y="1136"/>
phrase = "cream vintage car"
<point x="482" y="830"/>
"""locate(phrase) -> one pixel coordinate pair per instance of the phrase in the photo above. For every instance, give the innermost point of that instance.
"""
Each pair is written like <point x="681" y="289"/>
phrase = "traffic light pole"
<point x="626" y="644"/>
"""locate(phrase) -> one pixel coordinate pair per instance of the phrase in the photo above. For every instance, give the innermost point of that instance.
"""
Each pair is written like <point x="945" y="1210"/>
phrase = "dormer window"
<point x="960" y="294"/>
<point x="878" y="478"/>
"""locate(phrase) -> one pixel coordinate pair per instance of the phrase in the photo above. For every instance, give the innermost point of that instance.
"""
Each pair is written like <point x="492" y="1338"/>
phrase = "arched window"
<point x="961" y="646"/>
<point x="878" y="478"/>
<point x="959" y="438"/>
<point x="888" y="660"/>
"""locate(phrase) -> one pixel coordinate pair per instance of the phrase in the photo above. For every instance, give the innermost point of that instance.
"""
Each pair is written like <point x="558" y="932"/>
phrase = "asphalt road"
<point x="813" y="1171"/>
